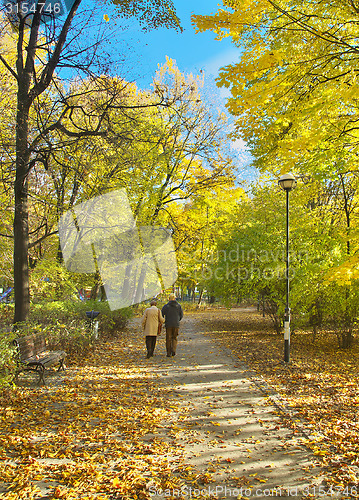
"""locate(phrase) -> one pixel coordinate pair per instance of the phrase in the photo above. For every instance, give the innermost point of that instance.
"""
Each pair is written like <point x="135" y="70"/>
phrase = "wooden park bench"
<point x="33" y="355"/>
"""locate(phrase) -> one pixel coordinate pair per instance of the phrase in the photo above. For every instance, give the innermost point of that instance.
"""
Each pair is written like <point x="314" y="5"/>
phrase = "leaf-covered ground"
<point x="90" y="434"/>
<point x="108" y="429"/>
<point x="320" y="384"/>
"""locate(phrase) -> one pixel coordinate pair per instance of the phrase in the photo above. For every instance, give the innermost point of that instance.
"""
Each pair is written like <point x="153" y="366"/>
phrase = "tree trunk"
<point x="263" y="305"/>
<point x="21" y="215"/>
<point x="97" y="285"/>
<point x="21" y="243"/>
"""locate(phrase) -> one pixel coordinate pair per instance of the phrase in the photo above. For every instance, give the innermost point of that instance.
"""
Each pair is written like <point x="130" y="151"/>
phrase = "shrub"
<point x="63" y="323"/>
<point x="71" y="311"/>
<point x="6" y="315"/>
<point x="7" y="360"/>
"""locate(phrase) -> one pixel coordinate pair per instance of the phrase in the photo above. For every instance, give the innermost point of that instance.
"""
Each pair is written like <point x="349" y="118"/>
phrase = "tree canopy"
<point x="35" y="43"/>
<point x="294" y="95"/>
<point x="294" y="87"/>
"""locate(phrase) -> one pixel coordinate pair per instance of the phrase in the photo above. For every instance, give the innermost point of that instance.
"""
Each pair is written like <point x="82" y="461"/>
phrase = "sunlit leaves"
<point x="319" y="388"/>
<point x="150" y="13"/>
<point x="294" y="88"/>
<point x="95" y="433"/>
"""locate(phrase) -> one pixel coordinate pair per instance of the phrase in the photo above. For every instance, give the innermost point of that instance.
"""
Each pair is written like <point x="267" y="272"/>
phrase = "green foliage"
<point x="7" y="362"/>
<point x="6" y="314"/>
<point x="111" y="323"/>
<point x="250" y="259"/>
<point x="51" y="281"/>
<point x="66" y="312"/>
<point x="64" y="324"/>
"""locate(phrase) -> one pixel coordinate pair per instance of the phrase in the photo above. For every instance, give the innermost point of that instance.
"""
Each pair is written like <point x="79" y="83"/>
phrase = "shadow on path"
<point x="232" y="434"/>
<point x="118" y="425"/>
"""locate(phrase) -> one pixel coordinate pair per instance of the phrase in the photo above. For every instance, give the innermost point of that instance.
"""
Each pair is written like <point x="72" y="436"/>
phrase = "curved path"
<point x="94" y="431"/>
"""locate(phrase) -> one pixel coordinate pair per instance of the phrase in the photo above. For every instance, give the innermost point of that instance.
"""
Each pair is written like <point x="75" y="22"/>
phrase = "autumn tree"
<point x="180" y="155"/>
<point x="248" y="260"/>
<point x="294" y="87"/>
<point x="164" y="147"/>
<point x="140" y="125"/>
<point x="202" y="223"/>
<point x="41" y="45"/>
<point x="294" y="94"/>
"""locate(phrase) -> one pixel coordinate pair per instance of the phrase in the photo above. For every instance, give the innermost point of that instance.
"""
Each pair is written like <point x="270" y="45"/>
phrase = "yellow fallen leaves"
<point x="91" y="437"/>
<point x="320" y="385"/>
<point x="116" y="483"/>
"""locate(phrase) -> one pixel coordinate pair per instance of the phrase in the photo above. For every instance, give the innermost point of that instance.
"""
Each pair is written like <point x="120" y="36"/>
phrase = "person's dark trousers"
<point x="171" y="340"/>
<point x="150" y="344"/>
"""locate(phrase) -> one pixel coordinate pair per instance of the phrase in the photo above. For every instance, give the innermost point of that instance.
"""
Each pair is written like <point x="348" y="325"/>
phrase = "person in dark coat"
<point x="172" y="312"/>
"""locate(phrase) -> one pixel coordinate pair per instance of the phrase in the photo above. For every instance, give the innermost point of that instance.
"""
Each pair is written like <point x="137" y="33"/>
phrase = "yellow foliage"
<point x="289" y="71"/>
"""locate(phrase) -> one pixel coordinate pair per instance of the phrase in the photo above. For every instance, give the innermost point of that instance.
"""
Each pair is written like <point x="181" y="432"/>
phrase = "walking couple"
<point x="153" y="319"/>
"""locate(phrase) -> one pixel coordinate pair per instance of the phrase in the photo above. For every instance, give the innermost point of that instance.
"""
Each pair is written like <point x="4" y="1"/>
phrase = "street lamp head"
<point x="287" y="182"/>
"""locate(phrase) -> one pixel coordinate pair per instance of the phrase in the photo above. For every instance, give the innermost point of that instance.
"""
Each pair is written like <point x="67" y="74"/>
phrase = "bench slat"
<point x="30" y="346"/>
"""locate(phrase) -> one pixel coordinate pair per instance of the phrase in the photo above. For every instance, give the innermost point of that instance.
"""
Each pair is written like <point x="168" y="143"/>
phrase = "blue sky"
<point x="192" y="52"/>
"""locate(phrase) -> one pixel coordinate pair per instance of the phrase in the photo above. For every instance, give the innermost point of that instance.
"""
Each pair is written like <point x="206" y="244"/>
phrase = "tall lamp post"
<point x="287" y="182"/>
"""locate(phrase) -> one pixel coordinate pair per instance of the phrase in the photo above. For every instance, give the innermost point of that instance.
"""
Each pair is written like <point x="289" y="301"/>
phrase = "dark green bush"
<point x="111" y="322"/>
<point x="7" y="361"/>
<point x="63" y="323"/>
<point x="6" y="315"/>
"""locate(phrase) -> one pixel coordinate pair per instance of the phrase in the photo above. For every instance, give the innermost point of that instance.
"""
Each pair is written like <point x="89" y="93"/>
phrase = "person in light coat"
<point x="152" y="318"/>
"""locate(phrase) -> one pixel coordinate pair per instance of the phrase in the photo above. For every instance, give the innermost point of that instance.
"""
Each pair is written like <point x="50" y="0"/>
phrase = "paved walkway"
<point x="232" y="434"/>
